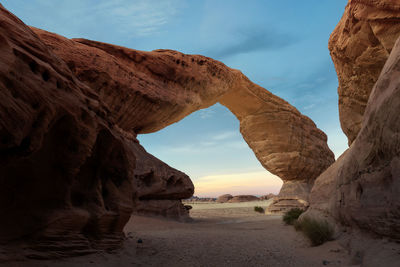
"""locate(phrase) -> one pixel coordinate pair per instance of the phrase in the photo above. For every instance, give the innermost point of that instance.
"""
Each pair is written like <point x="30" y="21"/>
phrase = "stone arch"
<point x="147" y="91"/>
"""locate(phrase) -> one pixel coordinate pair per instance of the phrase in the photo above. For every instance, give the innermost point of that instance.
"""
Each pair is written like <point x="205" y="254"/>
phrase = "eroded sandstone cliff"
<point x="70" y="176"/>
<point x="362" y="188"/>
<point x="360" y="46"/>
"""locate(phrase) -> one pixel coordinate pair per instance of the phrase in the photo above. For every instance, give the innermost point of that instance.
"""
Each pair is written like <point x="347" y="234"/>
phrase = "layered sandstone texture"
<point x="70" y="176"/>
<point x="362" y="188"/>
<point x="147" y="91"/>
<point x="360" y="46"/>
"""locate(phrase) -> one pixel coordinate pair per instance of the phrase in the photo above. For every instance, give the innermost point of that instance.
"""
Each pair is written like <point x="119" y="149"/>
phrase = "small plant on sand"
<point x="317" y="231"/>
<point x="258" y="209"/>
<point x="292" y="215"/>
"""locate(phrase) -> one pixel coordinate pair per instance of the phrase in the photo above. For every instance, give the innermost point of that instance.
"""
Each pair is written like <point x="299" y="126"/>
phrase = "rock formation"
<point x="243" y="198"/>
<point x="360" y="46"/>
<point x="161" y="87"/>
<point x="71" y="168"/>
<point x="224" y="198"/>
<point x="361" y="189"/>
<point x="66" y="167"/>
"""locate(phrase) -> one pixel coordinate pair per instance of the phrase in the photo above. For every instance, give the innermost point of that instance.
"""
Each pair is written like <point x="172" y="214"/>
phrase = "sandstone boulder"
<point x="360" y="46"/>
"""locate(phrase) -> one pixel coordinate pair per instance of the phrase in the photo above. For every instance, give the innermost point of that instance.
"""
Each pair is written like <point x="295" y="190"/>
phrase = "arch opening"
<point x="207" y="146"/>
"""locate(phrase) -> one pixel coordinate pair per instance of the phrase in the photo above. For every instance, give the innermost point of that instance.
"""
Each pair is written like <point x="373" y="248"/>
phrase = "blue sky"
<point x="281" y="45"/>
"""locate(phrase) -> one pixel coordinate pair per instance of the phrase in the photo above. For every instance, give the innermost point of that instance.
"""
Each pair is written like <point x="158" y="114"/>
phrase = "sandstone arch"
<point x="147" y="91"/>
<point x="71" y="168"/>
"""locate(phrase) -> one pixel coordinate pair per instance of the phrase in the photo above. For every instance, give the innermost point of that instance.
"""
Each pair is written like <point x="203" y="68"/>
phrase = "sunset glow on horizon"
<point x="252" y="183"/>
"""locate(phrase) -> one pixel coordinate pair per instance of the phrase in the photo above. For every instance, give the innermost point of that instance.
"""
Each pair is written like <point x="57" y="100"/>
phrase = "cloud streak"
<point x="252" y="40"/>
<point x="141" y="17"/>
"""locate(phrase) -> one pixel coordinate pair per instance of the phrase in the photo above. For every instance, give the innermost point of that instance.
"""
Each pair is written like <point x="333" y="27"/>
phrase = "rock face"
<point x="243" y="198"/>
<point x="66" y="167"/>
<point x="224" y="198"/>
<point x="147" y="91"/>
<point x="158" y="187"/>
<point x="360" y="46"/>
<point x="362" y="188"/>
<point x="71" y="168"/>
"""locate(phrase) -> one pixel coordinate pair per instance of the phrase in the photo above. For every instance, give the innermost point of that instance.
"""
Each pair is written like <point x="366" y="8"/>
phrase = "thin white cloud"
<point x="224" y="135"/>
<point x="309" y="106"/>
<point x="206" y="113"/>
<point x="139" y="17"/>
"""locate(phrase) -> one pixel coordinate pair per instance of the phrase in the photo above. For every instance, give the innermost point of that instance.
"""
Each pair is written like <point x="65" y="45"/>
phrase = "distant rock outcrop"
<point x="243" y="198"/>
<point x="224" y="198"/>
<point x="360" y="46"/>
<point x="269" y="196"/>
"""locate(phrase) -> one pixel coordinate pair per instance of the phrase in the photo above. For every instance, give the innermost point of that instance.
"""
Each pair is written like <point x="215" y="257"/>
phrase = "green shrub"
<point x="259" y="209"/>
<point x="292" y="215"/>
<point x="317" y="231"/>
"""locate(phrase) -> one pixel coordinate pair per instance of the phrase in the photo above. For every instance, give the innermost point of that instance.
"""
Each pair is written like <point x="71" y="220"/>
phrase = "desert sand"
<point x="220" y="234"/>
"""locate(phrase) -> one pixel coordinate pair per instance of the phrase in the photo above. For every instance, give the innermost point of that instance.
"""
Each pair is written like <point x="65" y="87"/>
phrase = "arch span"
<point x="147" y="91"/>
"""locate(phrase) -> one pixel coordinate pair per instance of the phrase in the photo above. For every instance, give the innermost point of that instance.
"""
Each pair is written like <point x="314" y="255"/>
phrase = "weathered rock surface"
<point x="71" y="168"/>
<point x="158" y="187"/>
<point x="361" y="189"/>
<point x="224" y="198"/>
<point x="360" y="46"/>
<point x="161" y="87"/>
<point x="243" y="198"/>
<point x="66" y="168"/>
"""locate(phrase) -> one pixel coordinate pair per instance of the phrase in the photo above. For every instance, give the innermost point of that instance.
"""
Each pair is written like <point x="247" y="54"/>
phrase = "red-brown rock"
<point x="67" y="170"/>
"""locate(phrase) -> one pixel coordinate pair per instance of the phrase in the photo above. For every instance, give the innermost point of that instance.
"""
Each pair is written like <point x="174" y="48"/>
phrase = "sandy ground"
<point x="219" y="235"/>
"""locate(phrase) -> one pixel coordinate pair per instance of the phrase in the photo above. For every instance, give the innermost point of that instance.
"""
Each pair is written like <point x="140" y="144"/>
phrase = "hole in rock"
<point x="209" y="148"/>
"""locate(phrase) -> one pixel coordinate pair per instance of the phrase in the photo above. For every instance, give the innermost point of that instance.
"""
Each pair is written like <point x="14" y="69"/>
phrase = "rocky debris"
<point x="243" y="198"/>
<point x="361" y="189"/>
<point x="360" y="46"/>
<point x="224" y="198"/>
<point x="147" y="91"/>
